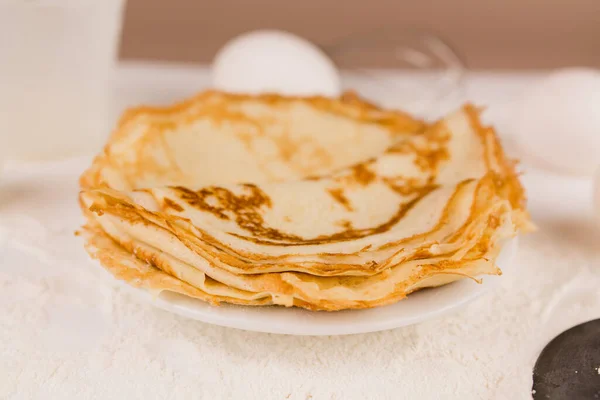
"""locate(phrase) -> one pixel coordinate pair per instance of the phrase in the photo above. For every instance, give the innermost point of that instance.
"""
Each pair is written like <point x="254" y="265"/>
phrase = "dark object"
<point x="567" y="368"/>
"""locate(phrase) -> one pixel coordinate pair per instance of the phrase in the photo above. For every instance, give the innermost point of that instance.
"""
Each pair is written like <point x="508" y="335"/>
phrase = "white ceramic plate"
<point x="417" y="307"/>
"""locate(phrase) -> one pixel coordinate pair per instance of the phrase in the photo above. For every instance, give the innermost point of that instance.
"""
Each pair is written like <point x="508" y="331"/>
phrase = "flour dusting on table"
<point x="65" y="333"/>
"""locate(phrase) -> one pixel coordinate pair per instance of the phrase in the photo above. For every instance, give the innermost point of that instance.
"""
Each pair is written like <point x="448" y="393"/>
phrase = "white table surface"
<point x="65" y="333"/>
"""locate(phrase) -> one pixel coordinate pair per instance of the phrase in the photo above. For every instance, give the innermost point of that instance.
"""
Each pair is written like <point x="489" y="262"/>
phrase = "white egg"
<point x="596" y="196"/>
<point x="274" y="62"/>
<point x="557" y="122"/>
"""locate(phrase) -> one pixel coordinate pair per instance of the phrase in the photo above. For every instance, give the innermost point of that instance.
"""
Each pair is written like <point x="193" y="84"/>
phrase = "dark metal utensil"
<point x="568" y="367"/>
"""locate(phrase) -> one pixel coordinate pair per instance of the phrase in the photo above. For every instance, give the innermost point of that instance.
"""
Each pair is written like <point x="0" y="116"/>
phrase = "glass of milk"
<point x="57" y="58"/>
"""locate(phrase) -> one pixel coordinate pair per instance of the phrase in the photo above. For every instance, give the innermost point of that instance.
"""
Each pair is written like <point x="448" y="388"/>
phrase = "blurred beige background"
<point x="501" y="34"/>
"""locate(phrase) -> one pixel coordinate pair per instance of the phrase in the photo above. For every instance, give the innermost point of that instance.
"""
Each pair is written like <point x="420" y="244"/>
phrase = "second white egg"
<point x="274" y="62"/>
<point x="557" y="123"/>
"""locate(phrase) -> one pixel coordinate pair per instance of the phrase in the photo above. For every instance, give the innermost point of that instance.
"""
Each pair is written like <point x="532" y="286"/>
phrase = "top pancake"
<point x="218" y="138"/>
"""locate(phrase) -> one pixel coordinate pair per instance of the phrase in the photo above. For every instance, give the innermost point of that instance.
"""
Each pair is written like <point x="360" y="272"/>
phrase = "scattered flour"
<point x="66" y="334"/>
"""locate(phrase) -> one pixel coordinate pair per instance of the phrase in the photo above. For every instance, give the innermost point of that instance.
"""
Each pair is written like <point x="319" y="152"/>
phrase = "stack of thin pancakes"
<point x="325" y="204"/>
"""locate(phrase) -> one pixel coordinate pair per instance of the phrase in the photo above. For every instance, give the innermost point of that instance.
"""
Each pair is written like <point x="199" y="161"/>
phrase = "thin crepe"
<point x="305" y="226"/>
<point x="218" y="138"/>
<point x="434" y="207"/>
<point x="326" y="292"/>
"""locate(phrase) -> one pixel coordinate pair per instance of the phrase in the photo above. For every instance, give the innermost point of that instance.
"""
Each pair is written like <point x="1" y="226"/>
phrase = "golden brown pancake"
<point x="319" y="203"/>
